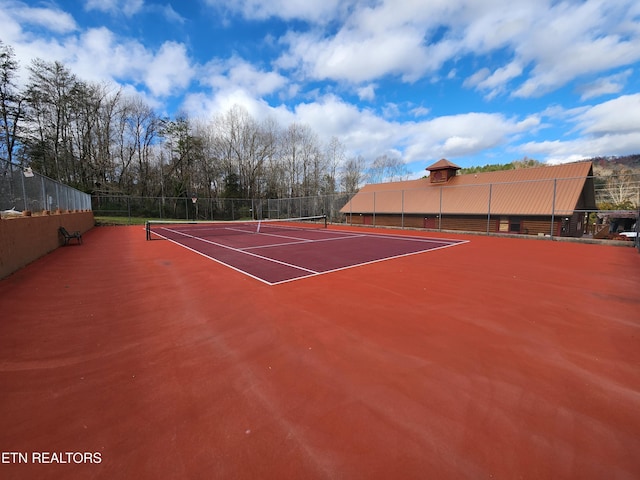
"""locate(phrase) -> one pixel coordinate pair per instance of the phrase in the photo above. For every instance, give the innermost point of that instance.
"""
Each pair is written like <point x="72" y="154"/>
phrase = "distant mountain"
<point x="601" y="165"/>
<point x="617" y="164"/>
<point x="524" y="163"/>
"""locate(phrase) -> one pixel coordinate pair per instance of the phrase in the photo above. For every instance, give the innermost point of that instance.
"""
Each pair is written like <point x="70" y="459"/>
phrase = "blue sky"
<point x="475" y="82"/>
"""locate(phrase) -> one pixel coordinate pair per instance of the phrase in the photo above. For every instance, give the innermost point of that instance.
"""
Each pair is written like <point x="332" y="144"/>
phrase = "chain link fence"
<point x="183" y="208"/>
<point x="568" y="207"/>
<point x="21" y="189"/>
<point x="541" y="207"/>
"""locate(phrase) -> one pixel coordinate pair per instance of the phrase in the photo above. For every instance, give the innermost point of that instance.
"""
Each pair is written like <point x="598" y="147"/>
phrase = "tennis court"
<point x="283" y="250"/>
<point x="497" y="358"/>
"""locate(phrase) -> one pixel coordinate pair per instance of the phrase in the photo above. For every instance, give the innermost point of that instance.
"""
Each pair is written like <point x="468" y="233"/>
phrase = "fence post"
<point x="637" y="239"/>
<point x="374" y="209"/>
<point x="638" y="230"/>
<point x="402" y="221"/>
<point x="44" y="195"/>
<point x="24" y="190"/>
<point x="440" y="211"/>
<point x="553" y="207"/>
<point x="489" y="210"/>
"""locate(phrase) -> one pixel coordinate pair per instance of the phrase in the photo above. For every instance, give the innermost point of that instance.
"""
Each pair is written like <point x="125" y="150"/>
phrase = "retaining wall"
<point x="25" y="239"/>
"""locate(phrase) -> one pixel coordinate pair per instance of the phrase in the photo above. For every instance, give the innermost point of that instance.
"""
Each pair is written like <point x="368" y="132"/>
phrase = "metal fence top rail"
<point x="21" y="187"/>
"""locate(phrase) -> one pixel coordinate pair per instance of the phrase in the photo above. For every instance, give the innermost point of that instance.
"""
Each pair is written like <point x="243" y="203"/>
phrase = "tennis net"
<point x="159" y="229"/>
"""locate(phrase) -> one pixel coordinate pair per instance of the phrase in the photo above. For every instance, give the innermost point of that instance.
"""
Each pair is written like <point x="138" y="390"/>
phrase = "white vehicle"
<point x="630" y="234"/>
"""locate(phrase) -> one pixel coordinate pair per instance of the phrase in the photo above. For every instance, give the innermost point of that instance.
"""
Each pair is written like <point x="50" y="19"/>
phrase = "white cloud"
<point x="127" y="7"/>
<point x="360" y="129"/>
<point x="420" y="111"/>
<point x="462" y="135"/>
<point x="206" y="107"/>
<point x="171" y="15"/>
<point x="477" y="78"/>
<point x="574" y="61"/>
<point x="606" y="85"/>
<point x="618" y="116"/>
<point x="51" y="19"/>
<point x="557" y="151"/>
<point x="528" y="46"/>
<point x="353" y="57"/>
<point x="608" y="127"/>
<point x="495" y="82"/>
<point x="98" y="55"/>
<point x="367" y="92"/>
<point x="311" y="10"/>
<point x="95" y="54"/>
<point x="533" y="46"/>
<point x="236" y="73"/>
<point x="169" y="71"/>
<point x="572" y="40"/>
<point x="366" y="133"/>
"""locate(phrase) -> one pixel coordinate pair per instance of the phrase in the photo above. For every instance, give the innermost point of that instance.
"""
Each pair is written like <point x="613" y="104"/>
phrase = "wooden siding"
<point x="468" y="224"/>
<point x="537" y="225"/>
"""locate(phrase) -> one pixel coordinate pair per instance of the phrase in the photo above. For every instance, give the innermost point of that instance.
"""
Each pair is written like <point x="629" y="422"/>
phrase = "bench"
<point x="68" y="236"/>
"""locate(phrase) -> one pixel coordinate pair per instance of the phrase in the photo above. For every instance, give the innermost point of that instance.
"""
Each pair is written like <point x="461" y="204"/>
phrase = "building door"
<point x="515" y="224"/>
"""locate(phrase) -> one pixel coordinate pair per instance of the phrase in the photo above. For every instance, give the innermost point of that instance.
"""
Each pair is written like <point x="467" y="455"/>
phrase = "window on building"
<point x="514" y="224"/>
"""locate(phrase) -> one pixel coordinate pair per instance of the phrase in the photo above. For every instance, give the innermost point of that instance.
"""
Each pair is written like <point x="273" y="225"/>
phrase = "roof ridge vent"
<point x="442" y="171"/>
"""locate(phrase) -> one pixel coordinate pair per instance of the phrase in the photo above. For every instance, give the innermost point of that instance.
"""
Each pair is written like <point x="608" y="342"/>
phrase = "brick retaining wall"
<point x="25" y="239"/>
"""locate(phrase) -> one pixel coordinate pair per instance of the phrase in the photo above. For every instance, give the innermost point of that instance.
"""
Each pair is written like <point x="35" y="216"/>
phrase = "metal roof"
<point x="530" y="191"/>
<point x="443" y="164"/>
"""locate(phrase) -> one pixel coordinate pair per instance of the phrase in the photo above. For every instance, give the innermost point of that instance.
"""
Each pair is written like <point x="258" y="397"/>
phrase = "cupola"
<point x="442" y="171"/>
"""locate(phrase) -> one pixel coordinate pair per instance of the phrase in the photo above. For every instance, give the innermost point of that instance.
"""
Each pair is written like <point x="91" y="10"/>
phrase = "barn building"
<point x="547" y="200"/>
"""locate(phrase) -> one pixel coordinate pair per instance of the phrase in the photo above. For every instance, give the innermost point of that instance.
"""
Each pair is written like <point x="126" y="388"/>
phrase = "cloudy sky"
<point x="476" y="82"/>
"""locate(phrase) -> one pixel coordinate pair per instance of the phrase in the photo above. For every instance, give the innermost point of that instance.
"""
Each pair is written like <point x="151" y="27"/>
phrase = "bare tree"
<point x="50" y="91"/>
<point x="335" y="157"/>
<point x="623" y="189"/>
<point x="302" y="159"/>
<point x="211" y="168"/>
<point x="11" y="102"/>
<point x="92" y="137"/>
<point x="387" y="168"/>
<point x="89" y="122"/>
<point x="105" y="171"/>
<point x="185" y="152"/>
<point x="245" y="146"/>
<point x="290" y="154"/>
<point x="352" y="174"/>
<point x="142" y="127"/>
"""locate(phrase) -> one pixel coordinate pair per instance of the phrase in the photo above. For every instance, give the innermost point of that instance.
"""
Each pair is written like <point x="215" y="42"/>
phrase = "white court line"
<point x="241" y="251"/>
<point x="413" y="238"/>
<point x="301" y="241"/>
<point x="218" y="261"/>
<point x="347" y="235"/>
<point x="460" y="242"/>
<point x="313" y="273"/>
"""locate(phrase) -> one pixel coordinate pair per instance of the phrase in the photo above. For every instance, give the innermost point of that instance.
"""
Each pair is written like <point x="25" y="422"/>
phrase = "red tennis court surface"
<point x="281" y="254"/>
<point x="499" y="358"/>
